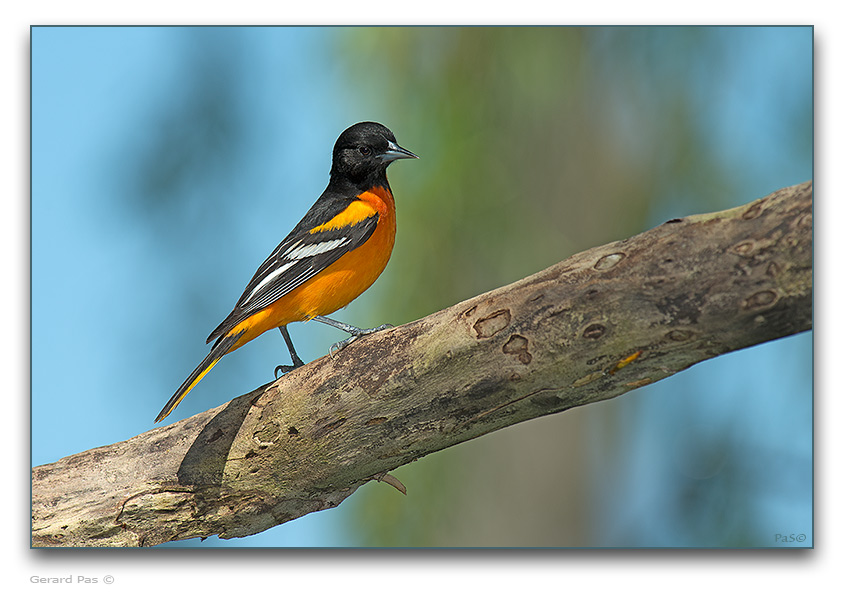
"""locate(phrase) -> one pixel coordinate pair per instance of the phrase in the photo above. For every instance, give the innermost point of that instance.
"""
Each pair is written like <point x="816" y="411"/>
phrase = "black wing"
<point x="298" y="258"/>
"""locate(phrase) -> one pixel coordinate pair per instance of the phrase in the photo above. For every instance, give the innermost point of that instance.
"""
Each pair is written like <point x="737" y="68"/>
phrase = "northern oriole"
<point x="334" y="254"/>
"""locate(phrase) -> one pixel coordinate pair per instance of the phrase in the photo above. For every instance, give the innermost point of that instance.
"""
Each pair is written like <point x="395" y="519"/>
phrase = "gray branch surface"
<point x="601" y="323"/>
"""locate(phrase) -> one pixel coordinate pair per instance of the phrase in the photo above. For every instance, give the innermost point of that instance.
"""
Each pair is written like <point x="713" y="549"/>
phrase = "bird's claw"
<point x="297" y="362"/>
<point x="339" y="346"/>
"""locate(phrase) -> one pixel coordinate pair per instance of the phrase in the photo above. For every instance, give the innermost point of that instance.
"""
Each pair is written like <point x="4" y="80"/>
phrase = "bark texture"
<point x="598" y="324"/>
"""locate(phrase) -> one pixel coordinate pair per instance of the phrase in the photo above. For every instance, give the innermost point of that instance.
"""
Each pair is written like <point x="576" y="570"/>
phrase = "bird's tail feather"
<point x="220" y="348"/>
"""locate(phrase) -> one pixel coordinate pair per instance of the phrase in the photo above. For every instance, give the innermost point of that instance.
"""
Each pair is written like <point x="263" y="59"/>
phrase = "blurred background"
<point x="168" y="162"/>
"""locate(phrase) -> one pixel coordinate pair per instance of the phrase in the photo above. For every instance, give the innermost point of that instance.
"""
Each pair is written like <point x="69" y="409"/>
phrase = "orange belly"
<point x="336" y="286"/>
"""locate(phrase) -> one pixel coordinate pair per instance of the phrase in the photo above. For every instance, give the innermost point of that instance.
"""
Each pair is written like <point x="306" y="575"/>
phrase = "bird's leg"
<point x="297" y="362"/>
<point x="353" y="330"/>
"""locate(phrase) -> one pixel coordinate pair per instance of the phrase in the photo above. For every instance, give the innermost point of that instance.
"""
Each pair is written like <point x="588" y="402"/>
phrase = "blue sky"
<point x="103" y="311"/>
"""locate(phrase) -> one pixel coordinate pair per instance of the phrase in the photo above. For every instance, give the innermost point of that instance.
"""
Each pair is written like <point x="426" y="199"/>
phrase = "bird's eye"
<point x="365" y="151"/>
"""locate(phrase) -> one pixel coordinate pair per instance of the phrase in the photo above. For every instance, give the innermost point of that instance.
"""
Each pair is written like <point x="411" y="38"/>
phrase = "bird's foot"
<point x="355" y="334"/>
<point x="297" y="362"/>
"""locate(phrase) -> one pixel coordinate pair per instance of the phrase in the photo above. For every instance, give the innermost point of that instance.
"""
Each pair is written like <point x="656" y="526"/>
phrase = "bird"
<point x="335" y="253"/>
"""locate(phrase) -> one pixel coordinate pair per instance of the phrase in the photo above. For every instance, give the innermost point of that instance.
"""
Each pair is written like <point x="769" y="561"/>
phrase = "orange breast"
<point x="339" y="284"/>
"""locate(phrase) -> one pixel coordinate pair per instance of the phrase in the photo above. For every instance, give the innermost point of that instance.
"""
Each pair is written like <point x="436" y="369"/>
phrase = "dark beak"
<point x="394" y="152"/>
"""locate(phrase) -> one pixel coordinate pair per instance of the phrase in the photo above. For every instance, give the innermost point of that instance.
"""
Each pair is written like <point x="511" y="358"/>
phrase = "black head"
<point x="363" y="151"/>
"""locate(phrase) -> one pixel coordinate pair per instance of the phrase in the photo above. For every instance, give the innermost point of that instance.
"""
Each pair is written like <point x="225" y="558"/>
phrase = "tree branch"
<point x="601" y="323"/>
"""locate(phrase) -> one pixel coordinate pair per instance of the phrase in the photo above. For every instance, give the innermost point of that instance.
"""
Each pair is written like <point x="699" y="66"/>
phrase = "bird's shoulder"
<point x="334" y="201"/>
